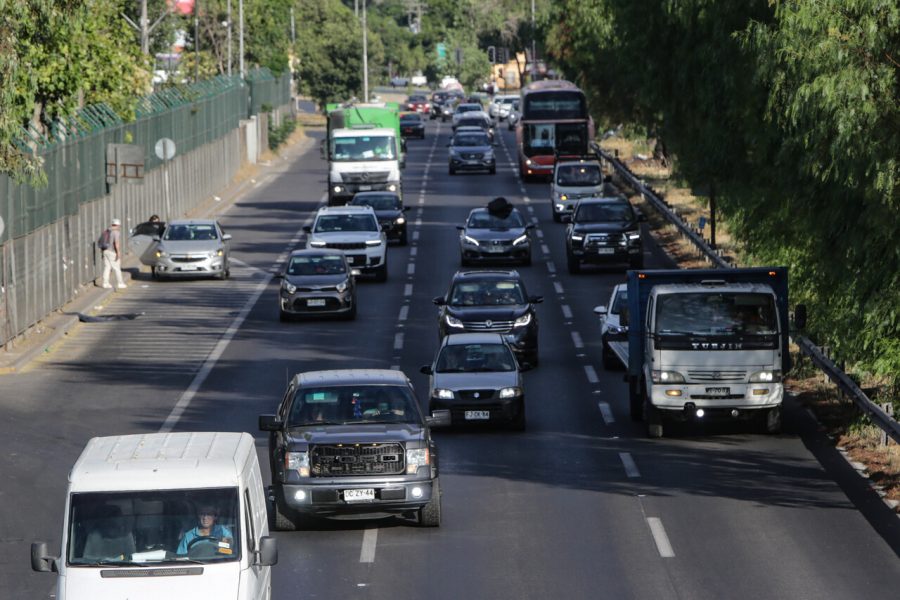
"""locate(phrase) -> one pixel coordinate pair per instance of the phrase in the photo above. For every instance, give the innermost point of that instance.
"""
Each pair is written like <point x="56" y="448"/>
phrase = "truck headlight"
<point x="766" y="376"/>
<point x="577" y="238"/>
<point x="667" y="377"/>
<point x="510" y="392"/>
<point x="442" y="394"/>
<point x="415" y="458"/>
<point x="392" y="187"/>
<point x="471" y="240"/>
<point x="453" y="322"/>
<point x="371" y="243"/>
<point x="520" y="240"/>
<point x="297" y="461"/>
<point x="317" y="244"/>
<point x="634" y="235"/>
<point x="523" y="320"/>
<point x="289" y="287"/>
<point x="338" y="189"/>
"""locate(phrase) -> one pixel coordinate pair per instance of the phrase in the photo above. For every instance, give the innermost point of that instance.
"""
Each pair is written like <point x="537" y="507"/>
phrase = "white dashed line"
<point x="545" y="249"/>
<point x="526" y="199"/>
<point x="660" y="537"/>
<point x="606" y="413"/>
<point x="404" y="312"/>
<point x="413" y="251"/>
<point x="576" y="339"/>
<point x="370" y="541"/>
<point x="407" y="289"/>
<point x="415" y="235"/>
<point x="539" y="233"/>
<point x="558" y="287"/>
<point x="567" y="312"/>
<point x="410" y="268"/>
<point x="631" y="469"/>
<point x="534" y="220"/>
<point x="551" y="267"/>
<point x="398" y="341"/>
<point x="588" y="370"/>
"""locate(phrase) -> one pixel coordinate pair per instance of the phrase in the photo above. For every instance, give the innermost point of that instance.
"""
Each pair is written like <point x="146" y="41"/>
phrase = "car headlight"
<point x="219" y="252"/>
<point x="523" y="320"/>
<point x="577" y="238"/>
<point x="634" y="235"/>
<point x="489" y="156"/>
<point x="442" y="394"/>
<point x="372" y="243"/>
<point x="453" y="321"/>
<point x="415" y="458"/>
<point x="528" y="162"/>
<point x="766" y="376"/>
<point x="337" y="189"/>
<point x="470" y="240"/>
<point x="520" y="240"/>
<point x="161" y="253"/>
<point x="289" y="287"/>
<point x="297" y="461"/>
<point x="341" y="287"/>
<point x="563" y="197"/>
<point x="667" y="377"/>
<point x="317" y="244"/>
<point x="400" y="221"/>
<point x="510" y="392"/>
<point x="392" y="187"/>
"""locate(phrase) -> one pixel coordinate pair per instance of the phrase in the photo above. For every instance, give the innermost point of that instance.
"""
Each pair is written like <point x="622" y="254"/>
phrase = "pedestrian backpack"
<point x="103" y="242"/>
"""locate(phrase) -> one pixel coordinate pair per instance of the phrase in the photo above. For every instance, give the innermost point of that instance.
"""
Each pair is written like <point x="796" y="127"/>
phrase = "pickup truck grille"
<point x="350" y="461"/>
<point x="346" y="245"/>
<point x="372" y="177"/>
<point x="736" y="376"/>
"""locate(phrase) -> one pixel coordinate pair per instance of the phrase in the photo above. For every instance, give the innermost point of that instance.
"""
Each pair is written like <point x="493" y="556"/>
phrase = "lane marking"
<point x="410" y="268"/>
<point x="404" y="312"/>
<point x="398" y="341"/>
<point x="413" y="251"/>
<point x="606" y="413"/>
<point x="576" y="339"/>
<point x="551" y="267"/>
<point x="660" y="537"/>
<point x="539" y="233"/>
<point x="591" y="374"/>
<point x="370" y="541"/>
<point x="558" y="287"/>
<point x="567" y="312"/>
<point x="415" y="235"/>
<point x="545" y="249"/>
<point x="631" y="469"/>
<point x="407" y="289"/>
<point x="241" y="263"/>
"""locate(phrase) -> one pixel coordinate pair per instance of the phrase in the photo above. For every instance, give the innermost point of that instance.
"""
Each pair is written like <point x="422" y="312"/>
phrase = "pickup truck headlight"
<point x="392" y="187"/>
<point x="453" y="322"/>
<point x="520" y="240"/>
<point x="510" y="392"/>
<point x="297" y="461"/>
<point x="470" y="240"/>
<point x="415" y="458"/>
<point x="766" y="376"/>
<point x="317" y="244"/>
<point x="523" y="320"/>
<point x="667" y="377"/>
<point x="577" y="238"/>
<point x="289" y="287"/>
<point x="633" y="236"/>
<point x="442" y="394"/>
<point x="371" y="243"/>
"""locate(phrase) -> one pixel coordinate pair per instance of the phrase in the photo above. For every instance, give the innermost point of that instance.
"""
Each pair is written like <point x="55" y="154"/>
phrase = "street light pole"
<point x="365" y="55"/>
<point x="533" y="45"/>
<point x="196" y="40"/>
<point x="230" y="51"/>
<point x="241" y="36"/>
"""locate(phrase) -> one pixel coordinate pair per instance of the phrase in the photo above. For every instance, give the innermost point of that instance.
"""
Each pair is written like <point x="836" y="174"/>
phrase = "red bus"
<point x="554" y="122"/>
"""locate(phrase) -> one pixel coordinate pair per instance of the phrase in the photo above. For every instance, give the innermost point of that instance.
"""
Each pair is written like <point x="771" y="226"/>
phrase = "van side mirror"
<point x="40" y="561"/>
<point x="600" y="310"/>
<point x="439" y="300"/>
<point x="438" y="418"/>
<point x="535" y="299"/>
<point x="267" y="555"/>
<point x="307" y="228"/>
<point x="269" y="423"/>
<point x="425" y="370"/>
<point x="800" y="316"/>
<point x="525" y="366"/>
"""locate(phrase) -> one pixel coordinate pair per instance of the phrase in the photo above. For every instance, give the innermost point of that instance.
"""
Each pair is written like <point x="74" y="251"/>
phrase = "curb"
<point x="64" y="319"/>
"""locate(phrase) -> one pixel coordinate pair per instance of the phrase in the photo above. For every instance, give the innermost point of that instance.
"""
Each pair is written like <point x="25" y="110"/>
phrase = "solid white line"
<point x="576" y="339"/>
<point x="418" y="222"/>
<point x="660" y="537"/>
<point x="551" y="267"/>
<point x="370" y="540"/>
<point x="410" y="268"/>
<point x="558" y="287"/>
<point x="545" y="248"/>
<point x="630" y="467"/>
<point x="407" y="289"/>
<point x="567" y="312"/>
<point x="591" y="374"/>
<point x="398" y="341"/>
<point x="421" y="200"/>
<point x="404" y="312"/>
<point x="606" y="413"/>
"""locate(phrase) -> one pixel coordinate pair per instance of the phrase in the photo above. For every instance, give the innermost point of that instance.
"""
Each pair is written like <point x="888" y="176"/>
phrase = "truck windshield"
<point x="348" y="404"/>
<point x="140" y="527"/>
<point x="716" y="313"/>
<point x="579" y="175"/>
<point x="363" y="147"/>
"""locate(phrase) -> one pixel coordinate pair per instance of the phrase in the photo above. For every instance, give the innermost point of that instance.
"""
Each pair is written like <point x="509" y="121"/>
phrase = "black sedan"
<point x="389" y="211"/>
<point x="317" y="282"/>
<point x="471" y="151"/>
<point x="412" y="126"/>
<point x="495" y="237"/>
<point x="604" y="230"/>
<point x="492" y="301"/>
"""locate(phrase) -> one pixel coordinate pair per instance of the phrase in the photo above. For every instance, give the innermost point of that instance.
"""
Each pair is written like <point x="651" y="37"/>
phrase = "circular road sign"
<point x="165" y="149"/>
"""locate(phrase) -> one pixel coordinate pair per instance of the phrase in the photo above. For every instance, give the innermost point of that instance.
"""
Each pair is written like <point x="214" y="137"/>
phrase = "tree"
<point x="329" y="49"/>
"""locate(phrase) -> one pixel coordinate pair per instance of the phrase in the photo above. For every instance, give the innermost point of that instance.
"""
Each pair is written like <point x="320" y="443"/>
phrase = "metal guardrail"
<point x="875" y="413"/>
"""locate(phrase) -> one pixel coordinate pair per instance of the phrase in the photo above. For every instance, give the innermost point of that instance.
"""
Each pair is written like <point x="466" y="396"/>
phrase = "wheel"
<point x="493" y="170"/>
<point x="557" y="218"/>
<point x="351" y="315"/>
<point x="533" y="358"/>
<point x="403" y="239"/>
<point x="610" y="362"/>
<point x="284" y="519"/>
<point x="527" y="260"/>
<point x="451" y="170"/>
<point x="464" y="263"/>
<point x="283" y="316"/>
<point x="573" y="263"/>
<point x="430" y="514"/>
<point x="382" y="272"/>
<point x="154" y="274"/>
<point x="772" y="420"/>
<point x="635" y="402"/>
<point x="654" y="419"/>
<point x="518" y="423"/>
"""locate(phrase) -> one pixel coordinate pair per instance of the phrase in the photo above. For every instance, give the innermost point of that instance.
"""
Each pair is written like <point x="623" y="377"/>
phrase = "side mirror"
<point x="460" y="227"/>
<point x="600" y="310"/>
<point x="439" y="300"/>
<point x="278" y="276"/>
<point x="525" y="366"/>
<point x="426" y="370"/>
<point x="355" y="272"/>
<point x="535" y="299"/>
<point x="269" y="423"/>
<point x="530" y="226"/>
<point x="607" y="179"/>
<point x="156" y="238"/>
<point x="267" y="554"/>
<point x="226" y="237"/>
<point x="565" y="218"/>
<point x="800" y="316"/>
<point x="43" y="563"/>
<point x="438" y="418"/>
<point x="406" y="208"/>
<point x="307" y="228"/>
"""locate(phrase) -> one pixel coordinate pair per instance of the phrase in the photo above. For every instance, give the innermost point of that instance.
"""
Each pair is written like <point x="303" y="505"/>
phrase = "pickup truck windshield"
<point x="349" y="404"/>
<point x="363" y="147"/>
<point x="716" y="313"/>
<point x="154" y="527"/>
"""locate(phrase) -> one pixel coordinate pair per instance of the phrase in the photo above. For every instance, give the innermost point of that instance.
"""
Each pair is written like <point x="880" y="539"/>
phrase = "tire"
<point x="351" y="315"/>
<point x="430" y="514"/>
<point x="283" y="518"/>
<point x="610" y="362"/>
<point x="519" y="422"/>
<point x="283" y="316"/>
<point x="154" y="274"/>
<point x="654" y="420"/>
<point x="637" y="263"/>
<point x="403" y="239"/>
<point x="464" y="263"/>
<point x="526" y="262"/>
<point x="381" y="274"/>
<point x="635" y="403"/>
<point x="534" y="358"/>
<point x="493" y="170"/>
<point x="573" y="263"/>
<point x="771" y="421"/>
<point x="557" y="218"/>
<point x="451" y="171"/>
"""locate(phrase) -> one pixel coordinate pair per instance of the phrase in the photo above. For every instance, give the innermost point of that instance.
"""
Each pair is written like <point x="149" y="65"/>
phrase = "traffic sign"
<point x="165" y="149"/>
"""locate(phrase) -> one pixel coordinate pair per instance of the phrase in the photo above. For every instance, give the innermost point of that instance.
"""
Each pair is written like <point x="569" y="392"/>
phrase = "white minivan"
<point x="174" y="516"/>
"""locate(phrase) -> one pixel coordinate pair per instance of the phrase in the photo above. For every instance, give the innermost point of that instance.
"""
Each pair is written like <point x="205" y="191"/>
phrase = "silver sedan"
<point x="186" y="248"/>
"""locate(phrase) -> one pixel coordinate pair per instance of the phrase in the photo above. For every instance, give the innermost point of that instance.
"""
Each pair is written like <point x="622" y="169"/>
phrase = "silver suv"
<point x="355" y="230"/>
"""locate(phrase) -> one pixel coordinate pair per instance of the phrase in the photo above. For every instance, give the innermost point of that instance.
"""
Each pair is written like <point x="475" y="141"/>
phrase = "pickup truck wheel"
<point x="573" y="263"/>
<point x="430" y="514"/>
<point x="381" y="272"/>
<point x="283" y="517"/>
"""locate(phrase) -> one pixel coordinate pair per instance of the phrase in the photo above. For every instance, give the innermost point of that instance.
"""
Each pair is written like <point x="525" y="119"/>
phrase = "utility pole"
<point x="241" y="36"/>
<point x="293" y="29"/>
<point x="356" y="9"/>
<point x="365" y="55"/>
<point x="144" y="28"/>
<point x="230" y="52"/>
<point x="533" y="44"/>
<point x="196" y="40"/>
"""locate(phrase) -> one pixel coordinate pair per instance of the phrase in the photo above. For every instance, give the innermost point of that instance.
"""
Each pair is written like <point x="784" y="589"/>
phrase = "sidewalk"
<point x="55" y="326"/>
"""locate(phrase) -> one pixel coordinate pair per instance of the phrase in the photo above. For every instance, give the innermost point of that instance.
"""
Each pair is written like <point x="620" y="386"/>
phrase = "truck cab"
<point x="362" y="159"/>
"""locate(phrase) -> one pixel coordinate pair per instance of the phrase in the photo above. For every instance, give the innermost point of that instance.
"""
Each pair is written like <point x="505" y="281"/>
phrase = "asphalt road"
<point x="580" y="505"/>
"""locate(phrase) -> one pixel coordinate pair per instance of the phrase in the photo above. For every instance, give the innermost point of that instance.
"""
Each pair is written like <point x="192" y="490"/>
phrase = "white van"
<point x="177" y="515"/>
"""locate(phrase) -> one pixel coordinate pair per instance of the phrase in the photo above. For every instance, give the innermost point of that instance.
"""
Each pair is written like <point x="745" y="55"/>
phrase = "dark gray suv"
<point x="353" y="441"/>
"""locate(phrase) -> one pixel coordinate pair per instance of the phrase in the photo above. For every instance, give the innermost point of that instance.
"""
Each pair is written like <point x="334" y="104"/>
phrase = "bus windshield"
<point x="554" y="105"/>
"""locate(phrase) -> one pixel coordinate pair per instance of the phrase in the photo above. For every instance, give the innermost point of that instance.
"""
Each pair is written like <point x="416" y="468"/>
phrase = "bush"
<point x="279" y="134"/>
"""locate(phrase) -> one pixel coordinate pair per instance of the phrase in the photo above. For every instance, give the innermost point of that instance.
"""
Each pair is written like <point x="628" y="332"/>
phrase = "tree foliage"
<point x="329" y="51"/>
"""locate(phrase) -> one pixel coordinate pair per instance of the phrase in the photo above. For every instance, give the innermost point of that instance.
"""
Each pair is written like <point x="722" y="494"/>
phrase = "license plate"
<point x="718" y="391"/>
<point x="477" y="415"/>
<point x="356" y="260"/>
<point x="316" y="302"/>
<point x="188" y="268"/>
<point x="605" y="250"/>
<point x="365" y="188"/>
<point x="496" y="249"/>
<point x="359" y="495"/>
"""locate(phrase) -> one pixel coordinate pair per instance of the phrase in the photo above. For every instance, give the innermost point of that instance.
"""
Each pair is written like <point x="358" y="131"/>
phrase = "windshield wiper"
<point x="114" y="563"/>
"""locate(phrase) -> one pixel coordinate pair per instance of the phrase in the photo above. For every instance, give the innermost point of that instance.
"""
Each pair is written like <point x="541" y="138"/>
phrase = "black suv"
<point x="604" y="230"/>
<point x="389" y="211"/>
<point x="353" y="442"/>
<point x="492" y="301"/>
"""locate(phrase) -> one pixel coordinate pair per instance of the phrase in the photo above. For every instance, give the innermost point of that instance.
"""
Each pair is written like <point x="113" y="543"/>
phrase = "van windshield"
<point x="154" y="527"/>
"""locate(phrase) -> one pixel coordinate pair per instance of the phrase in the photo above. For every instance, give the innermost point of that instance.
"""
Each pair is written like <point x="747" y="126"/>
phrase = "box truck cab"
<point x="175" y="516"/>
<point x="362" y="159"/>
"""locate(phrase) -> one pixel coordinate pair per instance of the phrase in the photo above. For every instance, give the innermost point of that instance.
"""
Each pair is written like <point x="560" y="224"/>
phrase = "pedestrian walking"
<point x="111" y="245"/>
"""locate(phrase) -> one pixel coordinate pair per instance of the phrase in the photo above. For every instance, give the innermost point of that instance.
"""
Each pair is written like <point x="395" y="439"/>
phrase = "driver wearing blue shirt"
<point x="206" y="529"/>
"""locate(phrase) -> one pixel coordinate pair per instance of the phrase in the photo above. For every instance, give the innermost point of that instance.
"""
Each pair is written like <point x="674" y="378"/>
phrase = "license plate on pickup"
<point x="366" y="495"/>
<point x="316" y="302"/>
<point x="718" y="391"/>
<point x="477" y="415"/>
